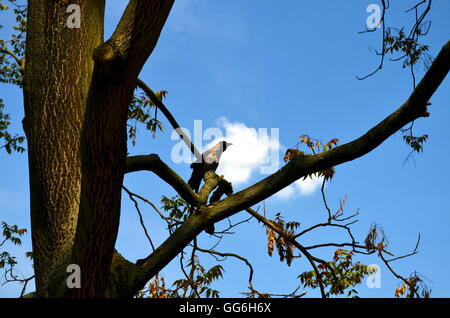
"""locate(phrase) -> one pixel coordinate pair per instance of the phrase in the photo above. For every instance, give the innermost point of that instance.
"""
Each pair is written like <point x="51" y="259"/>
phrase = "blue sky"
<point x="292" y="66"/>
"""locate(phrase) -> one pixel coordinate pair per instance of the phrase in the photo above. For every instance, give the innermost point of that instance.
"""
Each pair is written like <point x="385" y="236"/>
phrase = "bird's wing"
<point x="196" y="176"/>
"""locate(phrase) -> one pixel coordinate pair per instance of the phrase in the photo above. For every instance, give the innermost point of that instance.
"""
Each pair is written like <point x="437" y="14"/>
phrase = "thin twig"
<point x="225" y="255"/>
<point x="155" y="100"/>
<point x="141" y="219"/>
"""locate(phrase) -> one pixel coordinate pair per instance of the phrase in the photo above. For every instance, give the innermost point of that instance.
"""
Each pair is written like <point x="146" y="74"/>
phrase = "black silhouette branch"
<point x="387" y="262"/>
<point x="190" y="276"/>
<point x="385" y="5"/>
<point x="154" y="164"/>
<point x="233" y="255"/>
<point x="141" y="219"/>
<point x="160" y="105"/>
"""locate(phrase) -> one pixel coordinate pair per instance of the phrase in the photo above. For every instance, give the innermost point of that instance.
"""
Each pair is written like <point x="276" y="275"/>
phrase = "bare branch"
<point x="398" y="276"/>
<point x="325" y="200"/>
<point x="353" y="245"/>
<point x="154" y="164"/>
<point x="155" y="100"/>
<point x="225" y="255"/>
<point x="385" y="5"/>
<point x="14" y="278"/>
<point x="141" y="219"/>
<point x="190" y="277"/>
<point x="231" y="226"/>
<point x="414" y="252"/>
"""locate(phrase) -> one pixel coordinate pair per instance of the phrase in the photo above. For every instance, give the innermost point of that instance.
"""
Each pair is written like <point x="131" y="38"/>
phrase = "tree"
<point x="76" y="117"/>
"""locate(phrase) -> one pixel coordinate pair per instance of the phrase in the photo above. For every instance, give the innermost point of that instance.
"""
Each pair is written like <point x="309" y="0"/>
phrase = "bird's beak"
<point x="229" y="144"/>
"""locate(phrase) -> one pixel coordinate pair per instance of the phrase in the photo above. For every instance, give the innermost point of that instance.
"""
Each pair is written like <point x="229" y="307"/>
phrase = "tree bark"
<point x="57" y="78"/>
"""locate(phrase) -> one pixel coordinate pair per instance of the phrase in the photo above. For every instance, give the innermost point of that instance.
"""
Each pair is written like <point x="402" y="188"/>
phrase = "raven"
<point x="210" y="162"/>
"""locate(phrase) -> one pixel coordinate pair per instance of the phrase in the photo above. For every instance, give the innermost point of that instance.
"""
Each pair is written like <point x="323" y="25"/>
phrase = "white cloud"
<point x="252" y="151"/>
<point x="285" y="193"/>
<point x="309" y="186"/>
<point x="300" y="188"/>
<point x="256" y="151"/>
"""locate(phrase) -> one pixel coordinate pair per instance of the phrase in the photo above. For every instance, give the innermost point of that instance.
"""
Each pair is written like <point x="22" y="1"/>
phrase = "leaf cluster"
<point x="177" y="207"/>
<point x="415" y="142"/>
<point x="340" y="275"/>
<point x="285" y="248"/>
<point x="185" y="287"/>
<point x="201" y="282"/>
<point x="11" y="233"/>
<point x="408" y="46"/>
<point x="412" y="287"/>
<point x="376" y="239"/>
<point x="140" y="111"/>
<point x="7" y="141"/>
<point x="315" y="146"/>
<point x="12" y="51"/>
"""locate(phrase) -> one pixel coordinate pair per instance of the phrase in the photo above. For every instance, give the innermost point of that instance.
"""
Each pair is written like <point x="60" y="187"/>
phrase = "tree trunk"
<point x="57" y="79"/>
<point x="77" y="90"/>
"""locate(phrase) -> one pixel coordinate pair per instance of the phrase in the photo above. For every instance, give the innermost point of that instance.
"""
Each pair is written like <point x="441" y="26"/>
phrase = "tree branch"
<point x="155" y="100"/>
<point x="211" y="182"/>
<point x="225" y="255"/>
<point x="141" y="219"/>
<point x="154" y="164"/>
<point x="135" y="37"/>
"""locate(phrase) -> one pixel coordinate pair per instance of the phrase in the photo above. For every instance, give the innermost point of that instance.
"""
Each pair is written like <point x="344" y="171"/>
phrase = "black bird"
<point x="210" y="162"/>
